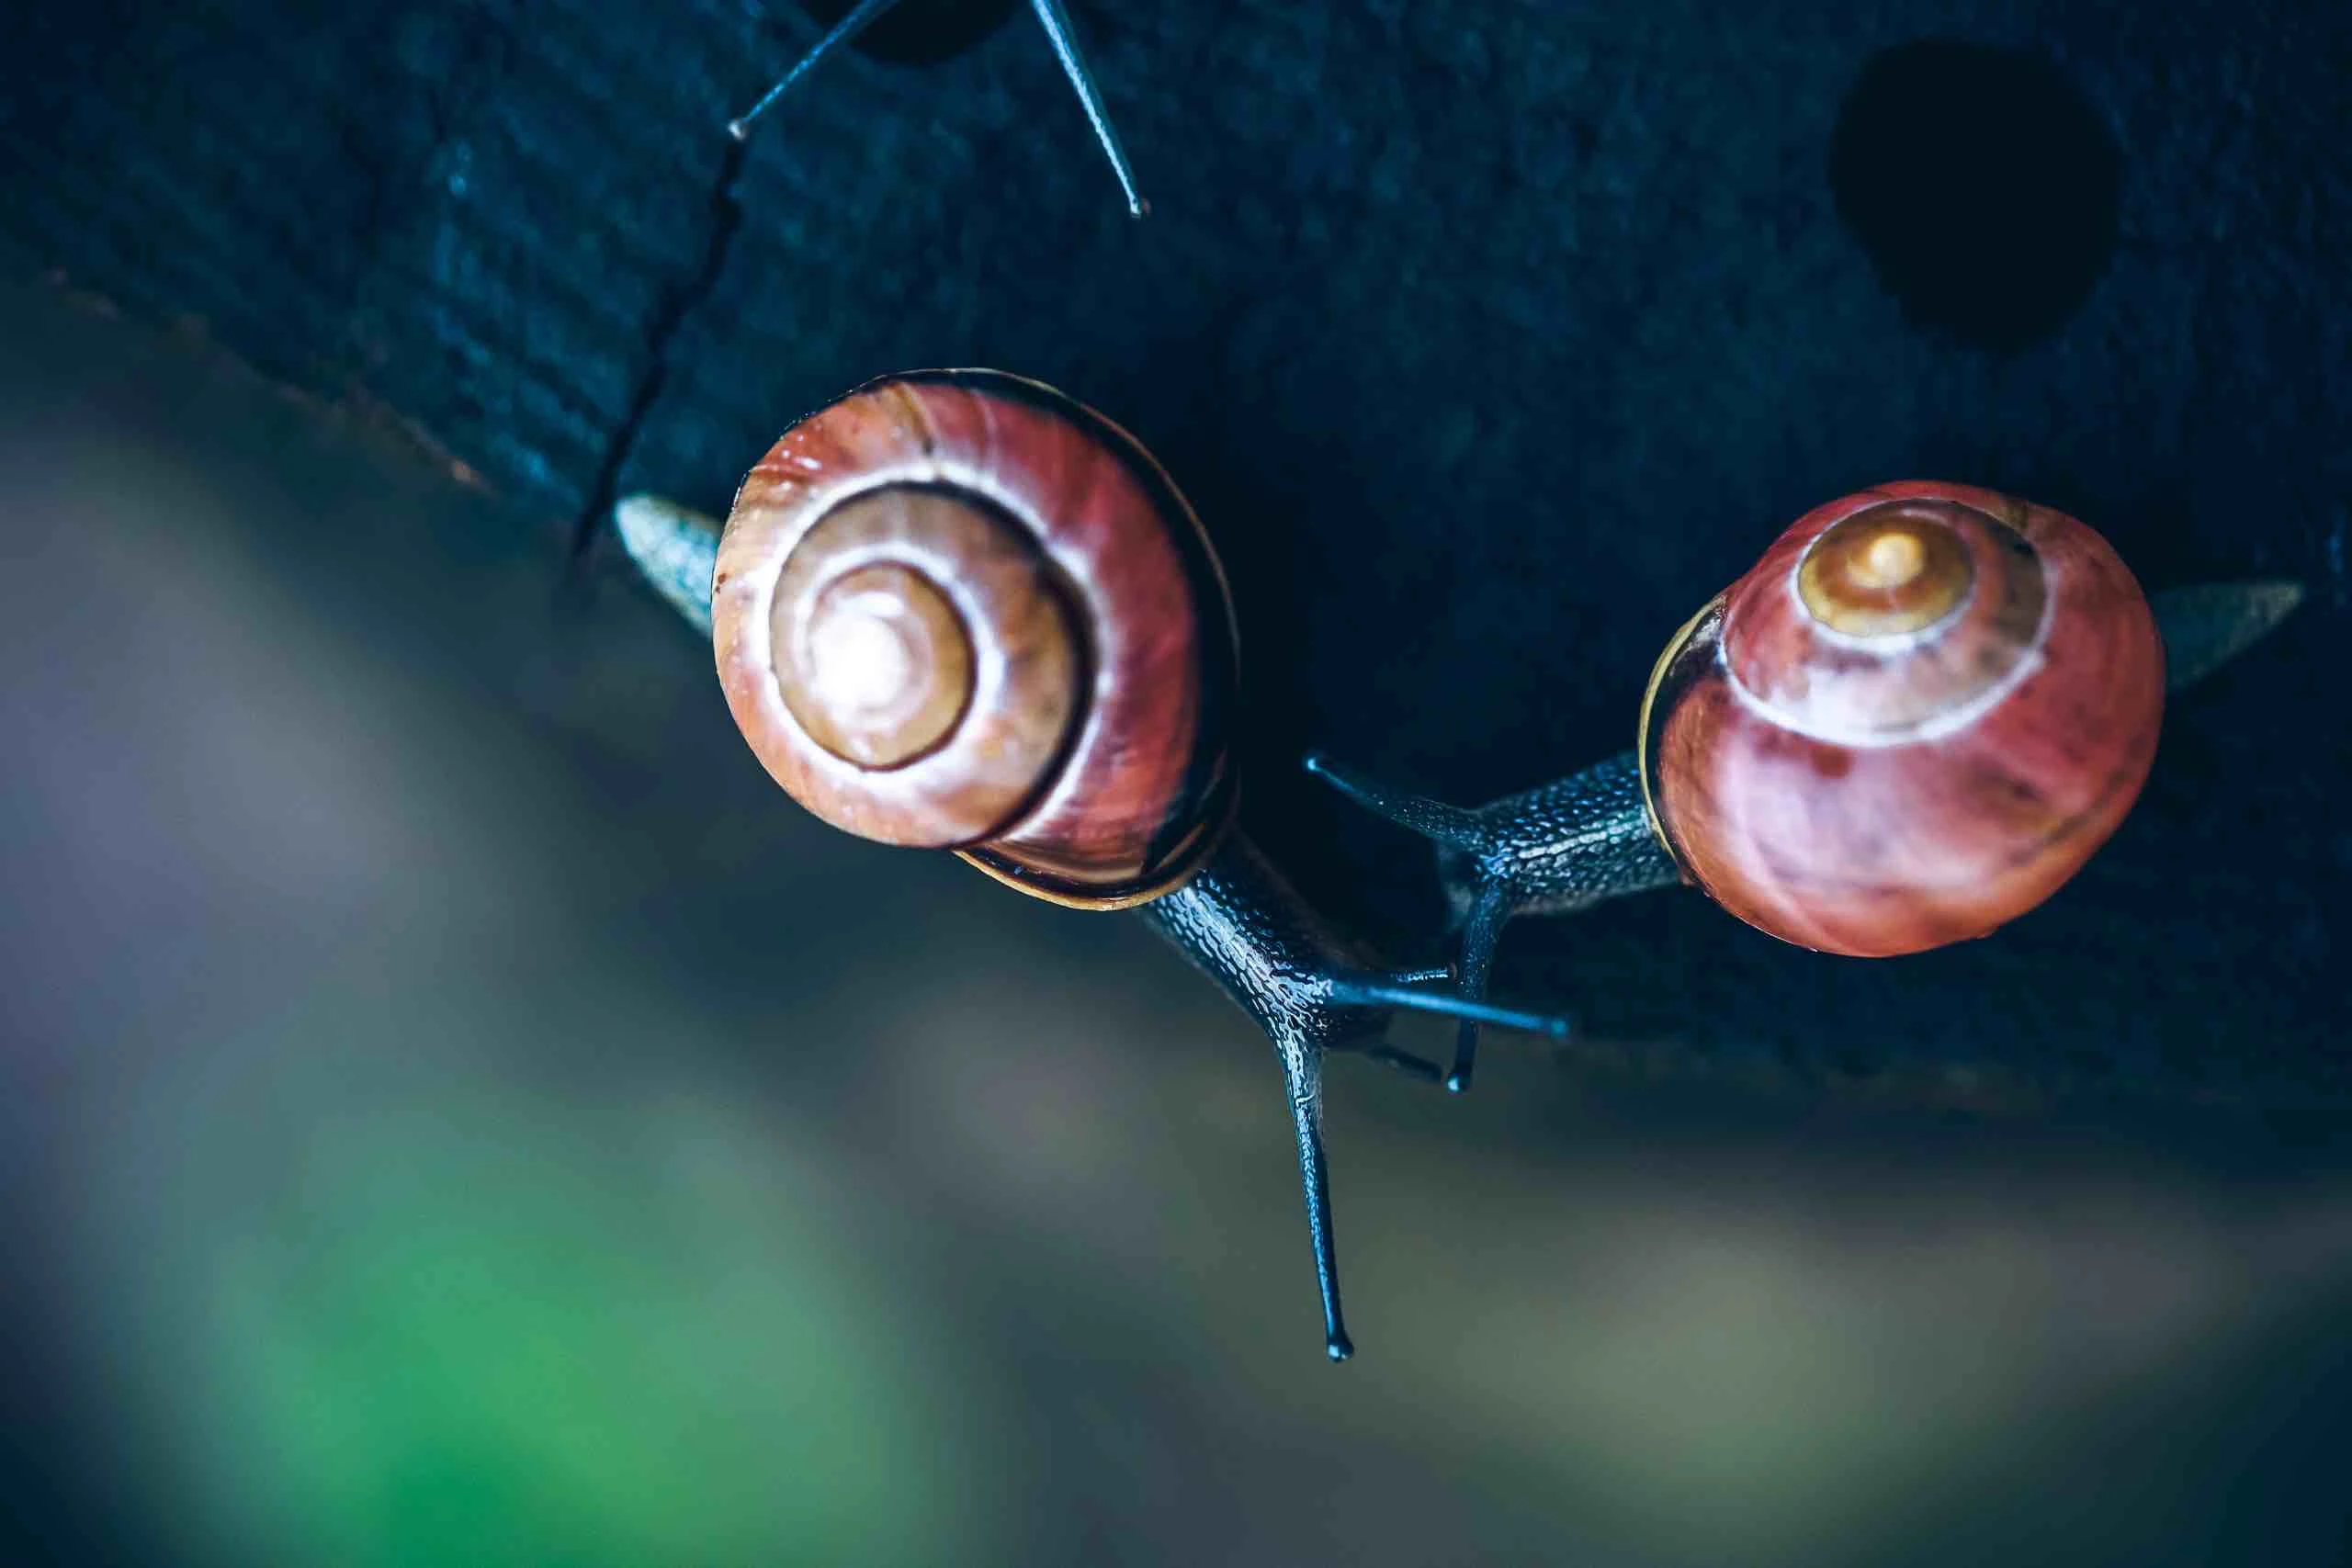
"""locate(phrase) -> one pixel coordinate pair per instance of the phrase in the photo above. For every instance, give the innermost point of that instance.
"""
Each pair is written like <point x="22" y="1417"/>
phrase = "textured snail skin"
<point x="1124" y="800"/>
<point x="1566" y="846"/>
<point x="1875" y="800"/>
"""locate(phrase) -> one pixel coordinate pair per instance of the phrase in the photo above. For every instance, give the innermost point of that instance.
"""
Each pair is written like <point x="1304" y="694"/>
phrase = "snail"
<point x="1051" y="14"/>
<point x="1911" y="722"/>
<point x="957" y="610"/>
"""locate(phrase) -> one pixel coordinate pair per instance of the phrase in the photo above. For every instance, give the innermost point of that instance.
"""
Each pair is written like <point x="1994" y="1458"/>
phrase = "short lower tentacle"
<point x="1430" y="819"/>
<point x="1480" y="933"/>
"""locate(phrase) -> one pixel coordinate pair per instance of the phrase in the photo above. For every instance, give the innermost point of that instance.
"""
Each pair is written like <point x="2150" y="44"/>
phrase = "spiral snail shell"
<point x="957" y="610"/>
<point x="1917" y="716"/>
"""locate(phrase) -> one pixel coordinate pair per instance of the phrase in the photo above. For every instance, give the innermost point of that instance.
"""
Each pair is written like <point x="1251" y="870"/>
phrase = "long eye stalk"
<point x="1312" y="991"/>
<point x="1060" y="32"/>
<point x="861" y="16"/>
<point x="1064" y="37"/>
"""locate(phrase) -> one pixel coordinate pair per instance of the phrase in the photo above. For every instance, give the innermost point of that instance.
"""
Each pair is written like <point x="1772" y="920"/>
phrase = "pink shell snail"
<point x="1923" y="711"/>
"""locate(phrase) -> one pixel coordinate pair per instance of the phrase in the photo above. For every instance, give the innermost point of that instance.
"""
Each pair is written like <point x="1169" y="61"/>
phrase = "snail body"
<point x="1920" y="713"/>
<point x="957" y="610"/>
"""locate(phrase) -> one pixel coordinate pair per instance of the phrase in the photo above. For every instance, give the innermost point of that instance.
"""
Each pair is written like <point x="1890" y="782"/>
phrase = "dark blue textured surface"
<point x="1489" y="338"/>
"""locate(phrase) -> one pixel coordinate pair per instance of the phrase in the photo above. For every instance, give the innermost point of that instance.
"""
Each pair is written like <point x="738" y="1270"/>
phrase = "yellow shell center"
<point x="1892" y="560"/>
<point x="883" y="666"/>
<point x="1886" y="571"/>
<point x="910" y="623"/>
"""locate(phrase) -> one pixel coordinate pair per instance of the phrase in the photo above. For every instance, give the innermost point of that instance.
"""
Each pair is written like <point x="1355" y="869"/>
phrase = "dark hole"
<point x="1983" y="185"/>
<point x="918" y="32"/>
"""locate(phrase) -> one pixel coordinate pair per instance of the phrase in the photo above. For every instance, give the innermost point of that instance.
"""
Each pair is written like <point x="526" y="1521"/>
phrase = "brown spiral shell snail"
<point x="958" y="609"/>
<point x="962" y="612"/>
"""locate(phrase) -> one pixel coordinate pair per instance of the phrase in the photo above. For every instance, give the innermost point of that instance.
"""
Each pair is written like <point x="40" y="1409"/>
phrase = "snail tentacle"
<point x="675" y="550"/>
<point x="1060" y="32"/>
<point x="1063" y="36"/>
<point x="861" y="16"/>
<point x="1566" y="846"/>
<point x="1480" y="933"/>
<point x="2206" y="625"/>
<point x="1433" y="820"/>
<point x="1312" y="990"/>
<point x="1374" y="990"/>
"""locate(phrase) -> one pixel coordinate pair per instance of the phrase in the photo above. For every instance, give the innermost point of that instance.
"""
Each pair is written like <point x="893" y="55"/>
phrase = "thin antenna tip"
<point x="1456" y="1083"/>
<point x="1137" y="207"/>
<point x="741" y="129"/>
<point x="1339" y="1348"/>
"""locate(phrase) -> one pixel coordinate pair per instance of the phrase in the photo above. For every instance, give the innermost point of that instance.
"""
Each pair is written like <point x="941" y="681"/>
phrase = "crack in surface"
<point x="676" y="305"/>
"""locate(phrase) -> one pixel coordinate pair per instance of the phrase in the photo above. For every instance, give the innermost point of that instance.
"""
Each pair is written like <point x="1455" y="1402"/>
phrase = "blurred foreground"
<point x="457" y="1112"/>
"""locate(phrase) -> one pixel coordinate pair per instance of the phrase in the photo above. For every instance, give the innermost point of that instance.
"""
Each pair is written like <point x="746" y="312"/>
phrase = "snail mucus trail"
<point x="1916" y="717"/>
<point x="957" y="610"/>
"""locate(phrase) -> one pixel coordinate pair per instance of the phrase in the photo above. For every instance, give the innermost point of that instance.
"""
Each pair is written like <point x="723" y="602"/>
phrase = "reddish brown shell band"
<point x="873" y="634"/>
<point x="1139" y="788"/>
<point x="1822" y="675"/>
<point x="1892" y="841"/>
<point x="1203" y="798"/>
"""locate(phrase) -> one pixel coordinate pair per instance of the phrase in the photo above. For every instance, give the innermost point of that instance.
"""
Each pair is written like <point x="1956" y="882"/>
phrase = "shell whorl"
<point x="957" y="610"/>
<point x="1908" y="617"/>
<point x="1919" y="714"/>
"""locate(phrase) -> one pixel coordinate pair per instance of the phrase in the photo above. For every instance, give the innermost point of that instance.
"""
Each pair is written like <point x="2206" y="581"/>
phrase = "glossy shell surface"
<point x="1941" y="765"/>
<point x="1078" y="746"/>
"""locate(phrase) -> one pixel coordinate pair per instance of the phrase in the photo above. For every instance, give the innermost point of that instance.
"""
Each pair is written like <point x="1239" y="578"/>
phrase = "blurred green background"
<point x="457" y="1112"/>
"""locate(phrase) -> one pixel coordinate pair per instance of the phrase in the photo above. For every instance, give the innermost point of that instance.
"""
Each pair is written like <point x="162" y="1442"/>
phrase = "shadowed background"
<point x="455" y="1111"/>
